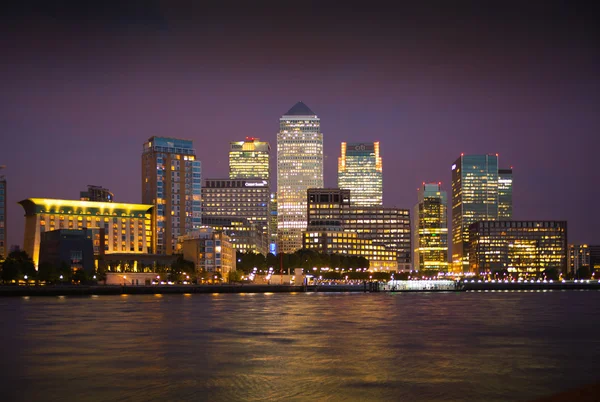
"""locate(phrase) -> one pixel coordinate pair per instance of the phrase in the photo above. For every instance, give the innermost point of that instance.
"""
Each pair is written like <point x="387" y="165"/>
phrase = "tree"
<point x="17" y="265"/>
<point x="65" y="271"/>
<point x="180" y="267"/>
<point x="551" y="273"/>
<point x="10" y="270"/>
<point x="47" y="272"/>
<point x="584" y="272"/>
<point x="80" y="276"/>
<point x="235" y="276"/>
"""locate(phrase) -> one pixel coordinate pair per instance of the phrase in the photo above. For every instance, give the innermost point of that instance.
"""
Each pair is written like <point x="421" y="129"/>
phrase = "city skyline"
<point x="87" y="95"/>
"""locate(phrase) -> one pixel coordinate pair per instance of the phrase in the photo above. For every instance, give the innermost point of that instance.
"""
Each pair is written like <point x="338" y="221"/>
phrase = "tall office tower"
<point x="249" y="159"/>
<point x="299" y="167"/>
<point x="96" y="193"/>
<point x="360" y="171"/>
<point x="389" y="227"/>
<point x="430" y="229"/>
<point x="505" y="190"/>
<point x="474" y="198"/>
<point x="273" y="224"/>
<point x="240" y="198"/>
<point x="3" y="235"/>
<point x="171" y="180"/>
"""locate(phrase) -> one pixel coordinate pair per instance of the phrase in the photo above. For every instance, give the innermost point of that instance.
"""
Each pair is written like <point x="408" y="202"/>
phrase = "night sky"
<point x="83" y="86"/>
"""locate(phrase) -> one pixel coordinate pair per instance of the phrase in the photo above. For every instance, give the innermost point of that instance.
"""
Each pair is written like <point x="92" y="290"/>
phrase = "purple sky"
<point x="84" y="86"/>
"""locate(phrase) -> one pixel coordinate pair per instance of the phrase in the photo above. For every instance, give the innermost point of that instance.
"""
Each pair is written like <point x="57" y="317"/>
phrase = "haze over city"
<point x="85" y="86"/>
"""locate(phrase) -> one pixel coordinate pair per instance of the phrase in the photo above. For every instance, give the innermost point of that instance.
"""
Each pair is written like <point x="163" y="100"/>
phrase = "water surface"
<point x="492" y="346"/>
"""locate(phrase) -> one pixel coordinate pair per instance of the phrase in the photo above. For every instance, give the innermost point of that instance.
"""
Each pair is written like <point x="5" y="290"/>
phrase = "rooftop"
<point x="300" y="109"/>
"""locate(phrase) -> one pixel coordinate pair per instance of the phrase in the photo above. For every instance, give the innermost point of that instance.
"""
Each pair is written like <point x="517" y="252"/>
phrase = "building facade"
<point x="474" y="198"/>
<point x="249" y="159"/>
<point x="430" y="229"/>
<point x="210" y="251"/>
<point x="389" y="227"/>
<point x="299" y="167"/>
<point x="337" y="241"/>
<point x="360" y="171"/>
<point x="579" y="257"/>
<point x="505" y="194"/>
<point x="273" y="224"/>
<point x="243" y="234"/>
<point x="171" y="181"/>
<point x="3" y="219"/>
<point x="594" y="257"/>
<point x="73" y="247"/>
<point x="239" y="198"/>
<point x="116" y="227"/>
<point x="96" y="193"/>
<point x="523" y="248"/>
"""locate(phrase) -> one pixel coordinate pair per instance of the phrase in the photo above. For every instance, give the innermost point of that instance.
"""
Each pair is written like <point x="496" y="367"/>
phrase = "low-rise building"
<point x="524" y="248"/>
<point x="211" y="252"/>
<point x="579" y="257"/>
<point x="68" y="246"/>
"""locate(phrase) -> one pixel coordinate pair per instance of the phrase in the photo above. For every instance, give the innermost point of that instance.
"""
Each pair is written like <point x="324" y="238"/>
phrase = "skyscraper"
<point x="505" y="180"/>
<point x="430" y="229"/>
<point x="299" y="167"/>
<point x="249" y="159"/>
<point x="171" y="181"/>
<point x="360" y="171"/>
<point x="3" y="235"/>
<point x="474" y="198"/>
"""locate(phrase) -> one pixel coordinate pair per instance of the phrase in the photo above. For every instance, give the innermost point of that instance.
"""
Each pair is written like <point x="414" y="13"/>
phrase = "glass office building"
<point x="474" y="198"/>
<point x="299" y="167"/>
<point x="171" y="181"/>
<point x="505" y="193"/>
<point x="249" y="159"/>
<point x="523" y="248"/>
<point x="360" y="171"/>
<point x="430" y="229"/>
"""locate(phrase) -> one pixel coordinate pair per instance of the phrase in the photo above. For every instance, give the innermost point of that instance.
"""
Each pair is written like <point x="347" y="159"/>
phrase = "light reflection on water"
<point x="410" y="346"/>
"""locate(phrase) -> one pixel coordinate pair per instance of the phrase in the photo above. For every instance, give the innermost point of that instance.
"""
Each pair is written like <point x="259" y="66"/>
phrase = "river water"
<point x="474" y="346"/>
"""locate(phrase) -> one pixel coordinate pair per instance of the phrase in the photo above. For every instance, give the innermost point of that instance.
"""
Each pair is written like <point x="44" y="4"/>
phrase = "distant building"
<point x="389" y="227"/>
<point x="73" y="247"/>
<point x="360" y="171"/>
<point x="96" y="193"/>
<point x="579" y="256"/>
<point x="239" y="198"/>
<point x="3" y="214"/>
<point x="116" y="227"/>
<point x="249" y="159"/>
<point x="430" y="229"/>
<point x="334" y="240"/>
<point x="525" y="248"/>
<point x="243" y="234"/>
<point x="505" y="194"/>
<point x="299" y="167"/>
<point x="171" y="181"/>
<point x="474" y="198"/>
<point x="594" y="257"/>
<point x="210" y="251"/>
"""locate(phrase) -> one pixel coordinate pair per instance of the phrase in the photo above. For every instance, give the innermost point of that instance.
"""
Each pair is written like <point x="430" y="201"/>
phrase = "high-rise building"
<point x="360" y="171"/>
<point x="211" y="252"/>
<point x="116" y="227"/>
<point x="523" y="248"/>
<point x="3" y="233"/>
<point x="430" y="229"/>
<point x="594" y="257"/>
<point x="389" y="227"/>
<point x="171" y="181"/>
<point x="474" y="198"/>
<point x="240" y="198"/>
<point x="299" y="167"/>
<point x="273" y="223"/>
<point x="96" y="193"/>
<point x="505" y="193"/>
<point x="249" y="159"/>
<point x="579" y="257"/>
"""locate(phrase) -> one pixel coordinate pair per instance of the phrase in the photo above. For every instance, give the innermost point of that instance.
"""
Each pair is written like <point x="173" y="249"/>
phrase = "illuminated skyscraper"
<point x="505" y="180"/>
<point x="171" y="181"/>
<point x="430" y="229"/>
<point x="299" y="167"/>
<point x="474" y="198"/>
<point x="360" y="171"/>
<point x="249" y="159"/>
<point x="3" y="238"/>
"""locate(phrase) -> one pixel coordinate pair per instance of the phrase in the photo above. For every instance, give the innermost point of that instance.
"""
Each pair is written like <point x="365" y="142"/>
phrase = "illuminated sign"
<point x="454" y="166"/>
<point x="273" y="248"/>
<point x="362" y="147"/>
<point x="256" y="184"/>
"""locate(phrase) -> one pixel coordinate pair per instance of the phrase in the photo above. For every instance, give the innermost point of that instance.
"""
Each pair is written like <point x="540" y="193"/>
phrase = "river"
<point x="469" y="346"/>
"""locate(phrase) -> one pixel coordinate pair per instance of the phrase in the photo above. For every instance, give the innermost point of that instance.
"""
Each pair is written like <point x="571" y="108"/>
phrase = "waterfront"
<point x="452" y="346"/>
